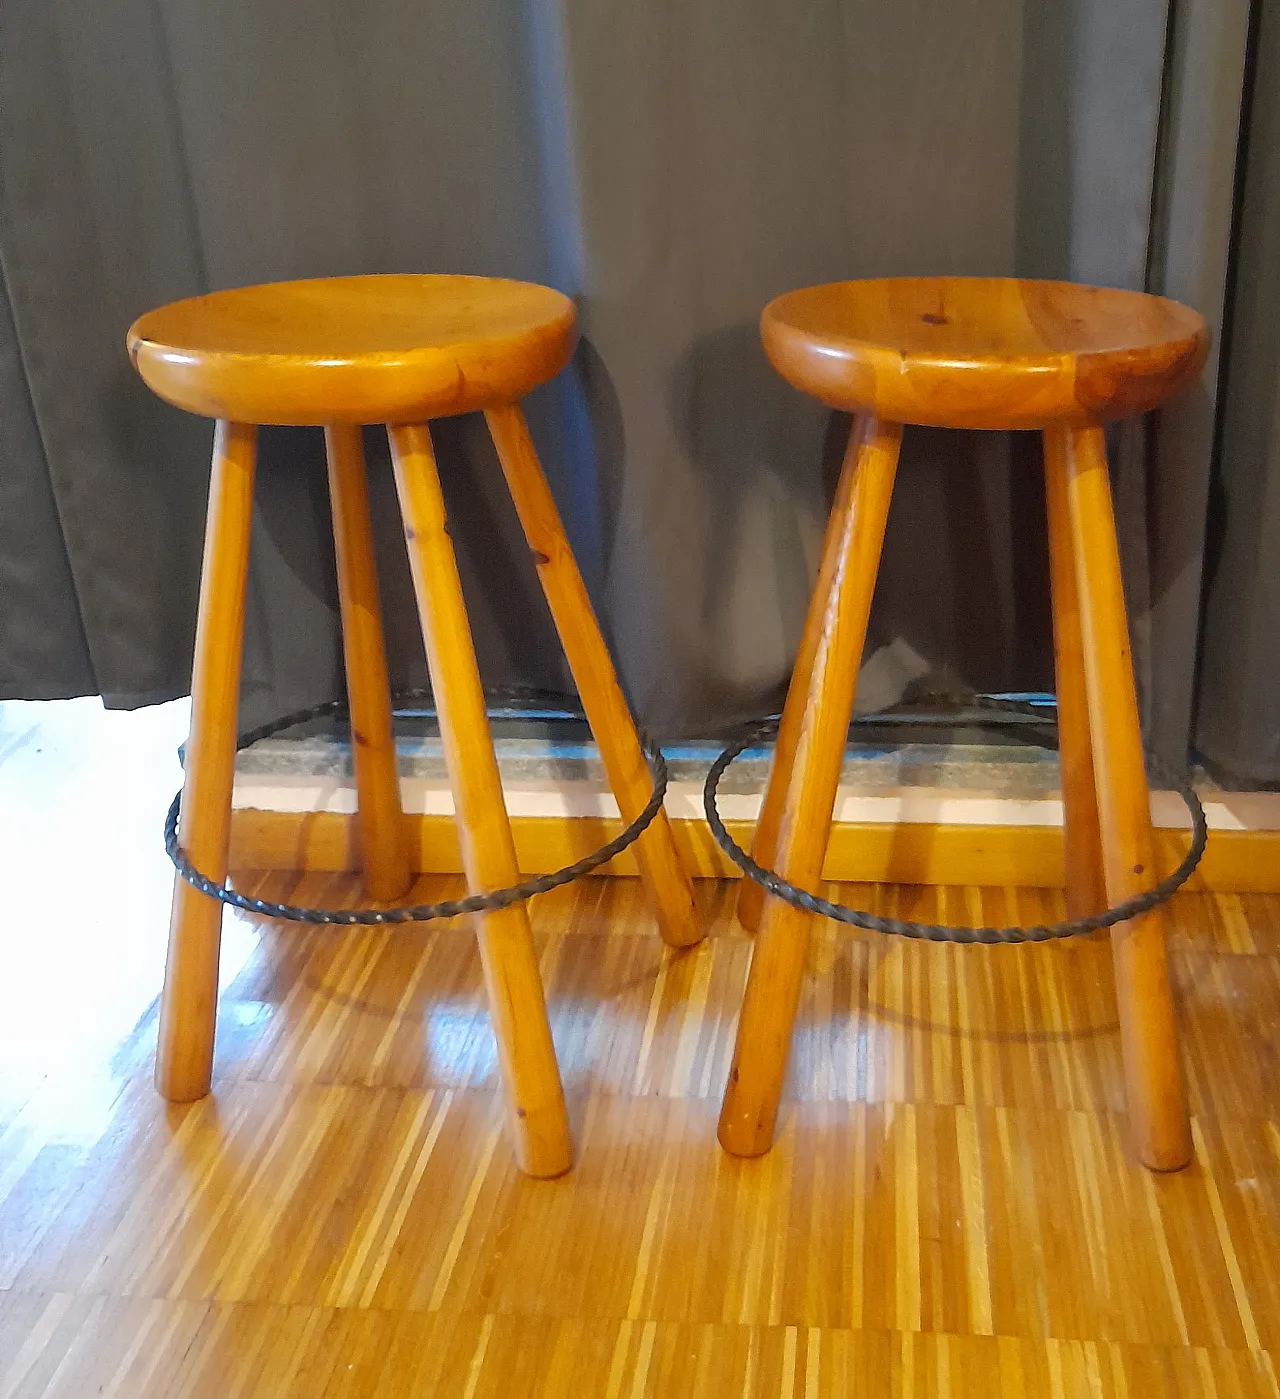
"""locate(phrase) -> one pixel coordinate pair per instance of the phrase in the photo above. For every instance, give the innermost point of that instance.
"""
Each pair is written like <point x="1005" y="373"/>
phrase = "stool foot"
<point x="594" y="674"/>
<point x="764" y="844"/>
<point x="383" y="846"/>
<point x="188" y="1002"/>
<point x="750" y="1108"/>
<point x="536" y="1119"/>
<point x="1158" y="1124"/>
<point x="1086" y="891"/>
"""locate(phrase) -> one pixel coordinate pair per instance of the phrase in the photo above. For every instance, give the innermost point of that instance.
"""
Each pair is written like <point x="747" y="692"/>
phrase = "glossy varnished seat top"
<point x="983" y="352"/>
<point x="354" y="349"/>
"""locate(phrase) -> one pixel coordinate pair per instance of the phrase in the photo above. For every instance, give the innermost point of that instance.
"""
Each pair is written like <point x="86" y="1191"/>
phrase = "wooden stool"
<point x="397" y="350"/>
<point x="974" y="353"/>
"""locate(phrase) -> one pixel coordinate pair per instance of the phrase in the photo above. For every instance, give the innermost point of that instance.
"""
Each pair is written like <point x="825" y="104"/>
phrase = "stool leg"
<point x="1082" y="839"/>
<point x="189" y="1001"/>
<point x="536" y="1118"/>
<point x="777" y="965"/>
<point x="1148" y="1035"/>
<point x="764" y="844"/>
<point x="593" y="673"/>
<point x="383" y="846"/>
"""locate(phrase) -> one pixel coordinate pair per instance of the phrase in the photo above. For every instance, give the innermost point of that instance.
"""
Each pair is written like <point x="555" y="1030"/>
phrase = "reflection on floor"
<point x="948" y="1211"/>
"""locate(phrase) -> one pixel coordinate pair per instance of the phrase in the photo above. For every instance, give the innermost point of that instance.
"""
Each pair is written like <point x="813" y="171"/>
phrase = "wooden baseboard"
<point x="1236" y="861"/>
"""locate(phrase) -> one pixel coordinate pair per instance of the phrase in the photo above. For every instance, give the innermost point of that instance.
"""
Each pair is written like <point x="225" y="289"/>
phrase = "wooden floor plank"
<point x="949" y="1208"/>
<point x="253" y="1351"/>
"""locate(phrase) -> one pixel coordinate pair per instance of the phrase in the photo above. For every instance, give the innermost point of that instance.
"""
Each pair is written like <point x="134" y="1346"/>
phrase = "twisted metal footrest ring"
<point x="414" y="913"/>
<point x="939" y="932"/>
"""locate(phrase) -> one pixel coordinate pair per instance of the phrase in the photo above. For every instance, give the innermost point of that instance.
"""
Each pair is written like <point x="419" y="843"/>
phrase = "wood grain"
<point x="593" y="673"/>
<point x="983" y="352"/>
<point x="184" y="1053"/>
<point x="773" y="989"/>
<point x="1082" y="836"/>
<point x="355" y="349"/>
<point x="873" y="852"/>
<point x="764" y="844"/>
<point x="536" y="1120"/>
<point x="384" y="858"/>
<point x="1157" y="1105"/>
<point x="949" y="1209"/>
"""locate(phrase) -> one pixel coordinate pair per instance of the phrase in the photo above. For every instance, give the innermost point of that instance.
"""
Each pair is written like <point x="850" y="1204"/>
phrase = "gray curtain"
<point x="1190" y="259"/>
<point x="1238" y="719"/>
<point x="672" y="166"/>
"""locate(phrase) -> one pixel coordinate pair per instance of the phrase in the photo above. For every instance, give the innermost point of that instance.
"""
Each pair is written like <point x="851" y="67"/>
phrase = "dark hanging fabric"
<point x="1190" y="250"/>
<point x="672" y="166"/>
<point x="1238" y="718"/>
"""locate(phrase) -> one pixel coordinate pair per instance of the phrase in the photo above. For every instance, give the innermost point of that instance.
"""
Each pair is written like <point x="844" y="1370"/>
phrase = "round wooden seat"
<point x="389" y="349"/>
<point x="983" y="352"/>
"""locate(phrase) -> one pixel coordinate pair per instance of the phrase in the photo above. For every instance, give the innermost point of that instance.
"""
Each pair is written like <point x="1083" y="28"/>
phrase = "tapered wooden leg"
<point x="536" y="1118"/>
<point x="1148" y="1035"/>
<point x="188" y="1003"/>
<point x="777" y="965"/>
<point x="383" y="844"/>
<point x="1082" y="839"/>
<point x="594" y="675"/>
<point x="764" y="844"/>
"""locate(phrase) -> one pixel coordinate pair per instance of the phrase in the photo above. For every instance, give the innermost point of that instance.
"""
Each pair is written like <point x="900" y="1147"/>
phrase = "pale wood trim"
<point x="880" y="852"/>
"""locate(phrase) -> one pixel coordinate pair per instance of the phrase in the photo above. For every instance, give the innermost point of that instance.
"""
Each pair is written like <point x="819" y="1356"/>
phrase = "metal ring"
<point x="939" y="932"/>
<point x="417" y="913"/>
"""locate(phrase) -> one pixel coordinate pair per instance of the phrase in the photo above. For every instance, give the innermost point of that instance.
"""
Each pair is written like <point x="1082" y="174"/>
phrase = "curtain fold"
<point x="672" y="167"/>
<point x="1238" y="717"/>
<point x="1190" y="261"/>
